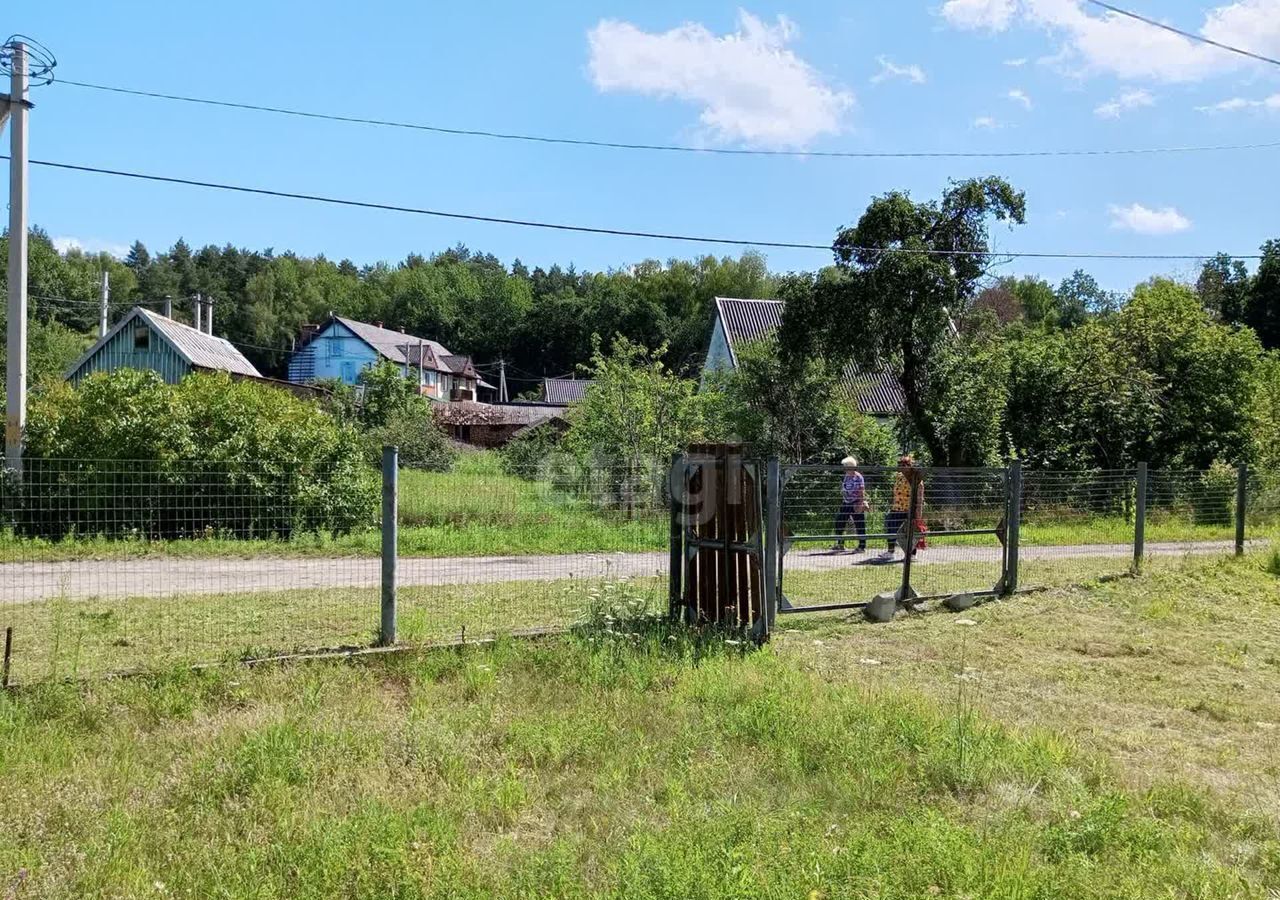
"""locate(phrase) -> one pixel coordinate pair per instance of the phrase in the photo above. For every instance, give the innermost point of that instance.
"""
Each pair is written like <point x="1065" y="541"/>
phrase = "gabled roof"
<point x="564" y="390"/>
<point x="877" y="393"/>
<point x="200" y="350"/>
<point x="394" y="345"/>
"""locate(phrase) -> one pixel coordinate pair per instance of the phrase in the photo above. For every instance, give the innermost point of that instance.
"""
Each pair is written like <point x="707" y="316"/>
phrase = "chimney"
<point x="197" y="307"/>
<point x="168" y="307"/>
<point x="208" y="316"/>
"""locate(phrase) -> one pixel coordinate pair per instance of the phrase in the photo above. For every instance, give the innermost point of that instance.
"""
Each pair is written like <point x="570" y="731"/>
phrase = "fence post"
<point x="904" y="594"/>
<point x="390" y="528"/>
<point x="1140" y="520"/>
<point x="676" y="487"/>
<point x="1242" y="502"/>
<point x="772" y="548"/>
<point x="1013" y="526"/>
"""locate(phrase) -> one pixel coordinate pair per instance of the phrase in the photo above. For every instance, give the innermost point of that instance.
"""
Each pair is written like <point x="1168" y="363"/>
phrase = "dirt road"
<point x="168" y="576"/>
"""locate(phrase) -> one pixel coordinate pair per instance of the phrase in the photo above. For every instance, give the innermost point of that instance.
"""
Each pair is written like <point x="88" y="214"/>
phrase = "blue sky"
<point x="959" y="75"/>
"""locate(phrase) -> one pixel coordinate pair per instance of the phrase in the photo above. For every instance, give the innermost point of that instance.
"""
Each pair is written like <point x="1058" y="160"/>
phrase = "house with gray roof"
<point x="739" y="322"/>
<point x="148" y="340"/>
<point x="342" y="348"/>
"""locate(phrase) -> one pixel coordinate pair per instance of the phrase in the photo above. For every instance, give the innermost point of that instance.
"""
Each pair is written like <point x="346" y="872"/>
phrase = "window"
<point x="141" y="337"/>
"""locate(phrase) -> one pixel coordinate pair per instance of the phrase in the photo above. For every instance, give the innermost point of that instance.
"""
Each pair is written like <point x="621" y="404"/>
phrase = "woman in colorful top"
<point x="897" y="515"/>
<point x="853" y="505"/>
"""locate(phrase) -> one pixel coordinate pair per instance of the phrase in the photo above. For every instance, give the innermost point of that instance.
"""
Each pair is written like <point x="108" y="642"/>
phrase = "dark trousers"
<point x="892" y="522"/>
<point x="847" y="512"/>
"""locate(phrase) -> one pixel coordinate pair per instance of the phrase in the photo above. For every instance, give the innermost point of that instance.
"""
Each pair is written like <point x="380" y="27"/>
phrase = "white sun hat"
<point x="849" y="462"/>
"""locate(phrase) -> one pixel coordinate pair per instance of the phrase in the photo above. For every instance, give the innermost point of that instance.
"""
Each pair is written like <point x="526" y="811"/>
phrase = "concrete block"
<point x="882" y="607"/>
<point x="960" y="602"/>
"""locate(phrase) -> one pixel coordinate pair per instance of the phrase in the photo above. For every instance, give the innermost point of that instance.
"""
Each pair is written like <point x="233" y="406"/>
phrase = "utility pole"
<point x="16" y="363"/>
<point x="421" y="351"/>
<point x="196" y="309"/>
<point x="502" y="380"/>
<point x="104" y="297"/>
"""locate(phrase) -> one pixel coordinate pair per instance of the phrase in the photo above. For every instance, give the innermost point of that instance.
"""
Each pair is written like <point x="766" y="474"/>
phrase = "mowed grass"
<point x="623" y="762"/>
<point x="476" y="509"/>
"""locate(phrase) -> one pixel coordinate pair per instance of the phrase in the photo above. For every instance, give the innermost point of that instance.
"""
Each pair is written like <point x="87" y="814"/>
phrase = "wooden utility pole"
<point x="502" y="380"/>
<point x="16" y="362"/>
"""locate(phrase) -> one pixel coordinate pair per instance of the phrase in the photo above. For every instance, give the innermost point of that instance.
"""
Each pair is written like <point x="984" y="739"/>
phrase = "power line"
<point x="615" y="232"/>
<point x="1186" y="34"/>
<point x="663" y="148"/>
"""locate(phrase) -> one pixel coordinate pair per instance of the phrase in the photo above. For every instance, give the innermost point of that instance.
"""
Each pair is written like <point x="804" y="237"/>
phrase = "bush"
<point x="126" y="454"/>
<point x="527" y="453"/>
<point x="413" y="429"/>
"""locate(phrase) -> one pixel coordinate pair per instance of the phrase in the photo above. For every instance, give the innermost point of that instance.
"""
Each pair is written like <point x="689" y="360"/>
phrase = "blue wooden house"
<point x="147" y="340"/>
<point x="342" y="348"/>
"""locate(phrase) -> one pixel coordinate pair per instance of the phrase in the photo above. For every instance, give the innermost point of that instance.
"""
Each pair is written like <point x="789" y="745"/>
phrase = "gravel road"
<point x="168" y="576"/>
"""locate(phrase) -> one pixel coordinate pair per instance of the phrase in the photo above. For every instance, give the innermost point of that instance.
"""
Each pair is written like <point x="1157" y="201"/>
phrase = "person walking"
<point x="900" y="509"/>
<point x="853" y="505"/>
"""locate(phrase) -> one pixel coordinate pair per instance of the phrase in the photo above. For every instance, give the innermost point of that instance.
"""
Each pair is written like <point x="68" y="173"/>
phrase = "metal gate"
<point x="753" y="539"/>
<point x="836" y="558"/>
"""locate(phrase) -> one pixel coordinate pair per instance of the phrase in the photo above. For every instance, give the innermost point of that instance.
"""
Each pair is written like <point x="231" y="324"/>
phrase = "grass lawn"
<point x="1099" y="742"/>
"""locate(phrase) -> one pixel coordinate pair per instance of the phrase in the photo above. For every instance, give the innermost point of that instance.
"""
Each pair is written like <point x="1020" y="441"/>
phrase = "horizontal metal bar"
<point x="712" y="544"/>
<point x="827" y="607"/>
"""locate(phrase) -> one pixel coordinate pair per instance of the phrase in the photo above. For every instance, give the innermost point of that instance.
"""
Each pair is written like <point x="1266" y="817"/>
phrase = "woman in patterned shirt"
<point x="898" y="511"/>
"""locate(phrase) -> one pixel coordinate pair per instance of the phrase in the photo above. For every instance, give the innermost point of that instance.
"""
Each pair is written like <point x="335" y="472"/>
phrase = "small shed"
<point x="148" y="340"/>
<point x="493" y="425"/>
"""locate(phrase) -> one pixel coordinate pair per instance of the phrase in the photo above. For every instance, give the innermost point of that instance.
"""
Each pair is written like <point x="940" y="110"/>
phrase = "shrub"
<point x="414" y="430"/>
<point x="124" y="453"/>
<point x="528" y="452"/>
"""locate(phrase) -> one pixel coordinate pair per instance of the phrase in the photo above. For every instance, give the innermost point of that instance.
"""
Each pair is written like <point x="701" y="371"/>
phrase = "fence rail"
<point x="109" y="566"/>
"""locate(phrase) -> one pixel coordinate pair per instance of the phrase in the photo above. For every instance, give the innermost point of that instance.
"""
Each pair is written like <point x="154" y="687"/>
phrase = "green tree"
<point x="1262" y="307"/>
<point x="1223" y="288"/>
<point x="795" y="412"/>
<point x="901" y="273"/>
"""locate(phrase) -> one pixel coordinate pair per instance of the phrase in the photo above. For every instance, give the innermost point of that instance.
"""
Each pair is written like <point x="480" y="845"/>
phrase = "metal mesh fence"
<point x="108" y="566"/>
<point x="1076" y="526"/>
<point x="490" y="548"/>
<point x="117" y="566"/>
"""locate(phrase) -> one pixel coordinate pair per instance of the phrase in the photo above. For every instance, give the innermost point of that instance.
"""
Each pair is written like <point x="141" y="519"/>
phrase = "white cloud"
<point x="991" y="15"/>
<point x="749" y="85"/>
<point x="1016" y="63"/>
<point x="1017" y="95"/>
<point x="888" y="69"/>
<point x="1122" y="103"/>
<point x="90" y="245"/>
<point x="1108" y="43"/>
<point x="1143" y="220"/>
<point x="985" y="122"/>
<point x="1235" y="104"/>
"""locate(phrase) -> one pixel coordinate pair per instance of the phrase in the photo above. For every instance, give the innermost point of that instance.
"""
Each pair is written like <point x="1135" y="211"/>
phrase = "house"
<point x="739" y="322"/>
<point x="563" y="391"/>
<point x="493" y="425"/>
<point x="148" y="340"/>
<point x="342" y="348"/>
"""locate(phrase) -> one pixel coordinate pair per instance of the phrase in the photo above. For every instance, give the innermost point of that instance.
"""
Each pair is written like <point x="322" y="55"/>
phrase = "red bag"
<point x="921" y="530"/>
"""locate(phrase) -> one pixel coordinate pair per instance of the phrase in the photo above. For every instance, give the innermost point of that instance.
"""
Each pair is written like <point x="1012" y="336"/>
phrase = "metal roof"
<point x="564" y="390"/>
<point x="877" y="393"/>
<point x="394" y="345"/>
<point x="200" y="350"/>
